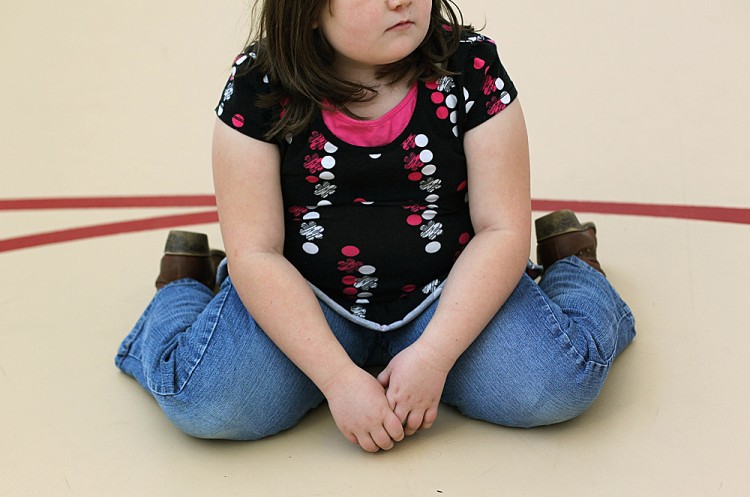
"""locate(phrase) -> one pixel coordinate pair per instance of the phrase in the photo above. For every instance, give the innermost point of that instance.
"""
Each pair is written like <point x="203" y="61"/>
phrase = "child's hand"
<point x="361" y="412"/>
<point x="414" y="382"/>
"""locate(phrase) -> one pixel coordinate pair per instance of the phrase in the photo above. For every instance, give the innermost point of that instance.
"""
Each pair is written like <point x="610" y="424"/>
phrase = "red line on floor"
<point x="99" y="230"/>
<point x="107" y="202"/>
<point x="691" y="212"/>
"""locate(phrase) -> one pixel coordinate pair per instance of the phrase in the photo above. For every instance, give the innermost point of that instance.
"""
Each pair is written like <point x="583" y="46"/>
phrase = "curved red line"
<point x="108" y="229"/>
<point x="107" y="202"/>
<point x="694" y="212"/>
<point x="690" y="212"/>
<point x="707" y="213"/>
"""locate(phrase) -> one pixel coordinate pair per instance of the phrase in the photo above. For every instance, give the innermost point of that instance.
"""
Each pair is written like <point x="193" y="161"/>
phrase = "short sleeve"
<point x="238" y="107"/>
<point x="487" y="87"/>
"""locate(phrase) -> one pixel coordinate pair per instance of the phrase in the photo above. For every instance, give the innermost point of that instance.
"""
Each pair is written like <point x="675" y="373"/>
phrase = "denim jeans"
<point x="542" y="359"/>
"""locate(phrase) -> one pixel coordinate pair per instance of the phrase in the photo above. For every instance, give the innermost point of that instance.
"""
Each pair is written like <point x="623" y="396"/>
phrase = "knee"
<point x="234" y="418"/>
<point x="202" y="420"/>
<point x="528" y="404"/>
<point x="217" y="420"/>
<point x="551" y="409"/>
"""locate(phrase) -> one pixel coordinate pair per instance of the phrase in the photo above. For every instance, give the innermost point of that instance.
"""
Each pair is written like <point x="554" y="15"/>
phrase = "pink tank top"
<point x="375" y="132"/>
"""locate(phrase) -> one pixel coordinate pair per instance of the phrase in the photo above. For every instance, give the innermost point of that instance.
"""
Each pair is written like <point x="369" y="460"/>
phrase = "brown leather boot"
<point x="560" y="235"/>
<point x="186" y="255"/>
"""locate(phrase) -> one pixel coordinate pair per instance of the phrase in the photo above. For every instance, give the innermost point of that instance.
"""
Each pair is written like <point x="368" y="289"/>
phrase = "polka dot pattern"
<point x="377" y="229"/>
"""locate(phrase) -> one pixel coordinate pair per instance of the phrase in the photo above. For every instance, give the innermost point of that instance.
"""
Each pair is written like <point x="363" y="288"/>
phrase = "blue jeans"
<point x="542" y="359"/>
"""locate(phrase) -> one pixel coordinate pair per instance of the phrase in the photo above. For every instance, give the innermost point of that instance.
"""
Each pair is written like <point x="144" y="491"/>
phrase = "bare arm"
<point x="484" y="275"/>
<point x="248" y="194"/>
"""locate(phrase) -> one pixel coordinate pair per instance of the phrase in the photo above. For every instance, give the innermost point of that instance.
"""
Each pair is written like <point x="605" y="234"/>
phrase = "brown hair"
<point x="299" y="61"/>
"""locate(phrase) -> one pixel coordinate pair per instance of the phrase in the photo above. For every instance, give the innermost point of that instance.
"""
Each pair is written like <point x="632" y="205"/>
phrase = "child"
<point x="372" y="179"/>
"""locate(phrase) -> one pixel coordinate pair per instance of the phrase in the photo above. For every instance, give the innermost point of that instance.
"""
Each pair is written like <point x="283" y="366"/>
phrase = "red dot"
<point x="350" y="251"/>
<point x="442" y="112"/>
<point x="464" y="238"/>
<point x="431" y="85"/>
<point x="415" y="176"/>
<point x="414" y="220"/>
<point x="349" y="280"/>
<point x="409" y="288"/>
<point x="478" y="63"/>
<point x="350" y="291"/>
<point x="312" y="179"/>
<point x="238" y="120"/>
<point x="359" y="200"/>
<point x="437" y="98"/>
<point x="461" y="187"/>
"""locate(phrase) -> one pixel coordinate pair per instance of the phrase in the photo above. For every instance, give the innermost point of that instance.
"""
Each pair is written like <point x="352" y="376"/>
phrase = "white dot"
<point x="327" y="175"/>
<point x="469" y="105"/>
<point x="375" y="156"/>
<point x="328" y="162"/>
<point x="429" y="170"/>
<point x="455" y="131"/>
<point x="432" y="206"/>
<point x="234" y="71"/>
<point x="221" y="110"/>
<point x="499" y="84"/>
<point x="425" y="156"/>
<point x="454" y="117"/>
<point x="240" y="60"/>
<point x="324" y="203"/>
<point x="429" y="214"/>
<point x="330" y="148"/>
<point x="310" y="248"/>
<point x="432" y="198"/>
<point x="363" y="301"/>
<point x="421" y="141"/>
<point x="364" y="295"/>
<point x="367" y="270"/>
<point x="265" y="79"/>
<point x="505" y="98"/>
<point x="432" y="247"/>
<point x="311" y="215"/>
<point x="451" y="101"/>
<point x="466" y="94"/>
<point x="367" y="202"/>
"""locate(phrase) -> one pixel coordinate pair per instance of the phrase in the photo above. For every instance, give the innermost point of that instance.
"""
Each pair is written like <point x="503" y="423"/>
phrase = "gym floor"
<point x="637" y="115"/>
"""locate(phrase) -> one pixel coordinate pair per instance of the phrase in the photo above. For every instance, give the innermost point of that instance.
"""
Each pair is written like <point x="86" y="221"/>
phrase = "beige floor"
<point x="640" y="102"/>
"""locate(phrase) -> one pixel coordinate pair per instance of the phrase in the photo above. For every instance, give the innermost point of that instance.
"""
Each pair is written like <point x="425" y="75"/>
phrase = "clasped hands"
<point x="375" y="413"/>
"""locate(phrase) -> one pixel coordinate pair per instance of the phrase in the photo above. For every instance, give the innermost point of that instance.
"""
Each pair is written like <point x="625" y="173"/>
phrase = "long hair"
<point x="299" y="61"/>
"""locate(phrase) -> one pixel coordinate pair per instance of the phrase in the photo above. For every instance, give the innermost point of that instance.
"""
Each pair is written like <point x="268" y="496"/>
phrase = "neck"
<point x="387" y="97"/>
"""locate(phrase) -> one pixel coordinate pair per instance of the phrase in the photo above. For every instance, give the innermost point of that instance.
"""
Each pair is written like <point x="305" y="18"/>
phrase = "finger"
<point x="351" y="438"/>
<point x="429" y="418"/>
<point x="385" y="377"/>
<point x="367" y="443"/>
<point x="401" y="412"/>
<point x="413" y="422"/>
<point x="382" y="439"/>
<point x="394" y="427"/>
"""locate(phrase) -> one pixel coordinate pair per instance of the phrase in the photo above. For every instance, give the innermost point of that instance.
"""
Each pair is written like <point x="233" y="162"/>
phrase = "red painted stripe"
<point x="108" y="229"/>
<point x="705" y="213"/>
<point x="107" y="202"/>
<point x="694" y="212"/>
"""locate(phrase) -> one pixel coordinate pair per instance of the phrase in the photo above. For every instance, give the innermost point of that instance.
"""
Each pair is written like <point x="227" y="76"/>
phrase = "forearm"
<point x="282" y="303"/>
<point x="480" y="282"/>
